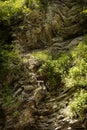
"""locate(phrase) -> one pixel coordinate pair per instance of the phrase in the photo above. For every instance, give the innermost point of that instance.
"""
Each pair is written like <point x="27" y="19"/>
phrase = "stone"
<point x="39" y="94"/>
<point x="18" y="92"/>
<point x="58" y="128"/>
<point x="28" y="88"/>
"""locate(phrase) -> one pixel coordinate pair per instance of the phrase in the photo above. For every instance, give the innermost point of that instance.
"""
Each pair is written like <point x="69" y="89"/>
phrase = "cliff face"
<point x="62" y="20"/>
<point x="67" y="18"/>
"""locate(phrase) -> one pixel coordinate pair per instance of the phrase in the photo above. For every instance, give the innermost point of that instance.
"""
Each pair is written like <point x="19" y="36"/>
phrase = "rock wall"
<point x="67" y="18"/>
<point x="63" y="19"/>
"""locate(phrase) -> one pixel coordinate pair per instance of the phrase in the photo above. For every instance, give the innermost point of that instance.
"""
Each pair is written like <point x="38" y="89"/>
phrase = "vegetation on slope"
<point x="11" y="13"/>
<point x="69" y="71"/>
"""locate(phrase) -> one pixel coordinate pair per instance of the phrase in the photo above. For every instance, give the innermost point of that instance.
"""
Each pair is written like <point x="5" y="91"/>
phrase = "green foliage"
<point x="32" y="4"/>
<point x="8" y="99"/>
<point x="11" y="8"/>
<point x="53" y="69"/>
<point x="50" y="73"/>
<point x="64" y="63"/>
<point x="42" y="55"/>
<point x="9" y="102"/>
<point x="16" y="113"/>
<point x="69" y="70"/>
<point x="43" y="4"/>
<point x="77" y="76"/>
<point x="78" y="105"/>
<point x="9" y="60"/>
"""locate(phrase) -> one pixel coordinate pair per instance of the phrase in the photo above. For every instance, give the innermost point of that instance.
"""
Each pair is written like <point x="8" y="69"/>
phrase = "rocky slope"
<point x="35" y="108"/>
<point x="32" y="106"/>
<point x="63" y="20"/>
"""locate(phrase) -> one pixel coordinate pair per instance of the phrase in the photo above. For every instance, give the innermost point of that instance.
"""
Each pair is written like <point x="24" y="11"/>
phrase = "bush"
<point x="53" y="69"/>
<point x="78" y="105"/>
<point x="10" y="9"/>
<point x="68" y="70"/>
<point x="9" y="60"/>
<point x="51" y="75"/>
<point x="77" y="76"/>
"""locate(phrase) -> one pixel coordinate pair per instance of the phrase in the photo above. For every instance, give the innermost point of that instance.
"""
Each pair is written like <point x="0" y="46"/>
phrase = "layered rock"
<point x="67" y="18"/>
<point x="62" y="20"/>
<point x="33" y="107"/>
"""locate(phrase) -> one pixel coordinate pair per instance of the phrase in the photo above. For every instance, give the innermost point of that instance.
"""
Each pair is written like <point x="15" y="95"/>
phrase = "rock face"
<point x="63" y="20"/>
<point x="67" y="18"/>
<point x="27" y="93"/>
<point x="33" y="107"/>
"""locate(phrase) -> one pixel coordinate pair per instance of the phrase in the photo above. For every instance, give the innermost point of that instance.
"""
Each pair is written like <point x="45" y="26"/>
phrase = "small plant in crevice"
<point x="16" y="113"/>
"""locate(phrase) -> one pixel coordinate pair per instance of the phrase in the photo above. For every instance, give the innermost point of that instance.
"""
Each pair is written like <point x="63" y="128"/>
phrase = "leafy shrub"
<point x="78" y="105"/>
<point x="11" y="8"/>
<point x="16" y="8"/>
<point x="9" y="60"/>
<point x="50" y="74"/>
<point x="64" y="63"/>
<point x="53" y="69"/>
<point x="76" y="78"/>
<point x="77" y="75"/>
<point x="69" y="70"/>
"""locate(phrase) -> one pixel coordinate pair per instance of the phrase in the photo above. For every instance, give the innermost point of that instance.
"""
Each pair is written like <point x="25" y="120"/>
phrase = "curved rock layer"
<point x="68" y="18"/>
<point x="63" y="20"/>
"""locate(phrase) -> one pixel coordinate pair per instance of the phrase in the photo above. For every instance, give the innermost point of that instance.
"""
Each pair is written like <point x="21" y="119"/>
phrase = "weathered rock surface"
<point x="66" y="45"/>
<point x="34" y="108"/>
<point x="62" y="20"/>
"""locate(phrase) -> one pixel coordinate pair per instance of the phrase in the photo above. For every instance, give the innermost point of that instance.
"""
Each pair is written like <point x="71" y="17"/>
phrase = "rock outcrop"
<point x="62" y="20"/>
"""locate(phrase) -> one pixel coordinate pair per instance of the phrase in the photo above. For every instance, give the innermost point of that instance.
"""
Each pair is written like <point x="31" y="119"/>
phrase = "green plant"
<point x="10" y="9"/>
<point x="78" y="105"/>
<point x="64" y="62"/>
<point x="42" y="55"/>
<point x="53" y="69"/>
<point x="8" y="99"/>
<point x="16" y="113"/>
<point x="9" y="59"/>
<point x="50" y="73"/>
<point x="77" y="76"/>
<point x="43" y="4"/>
